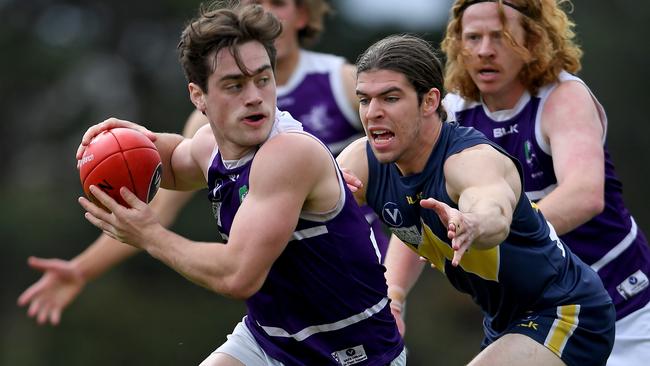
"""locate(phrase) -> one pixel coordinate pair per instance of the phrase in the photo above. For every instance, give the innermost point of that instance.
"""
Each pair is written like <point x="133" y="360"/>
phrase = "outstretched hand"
<point x="460" y="230"/>
<point x="107" y="125"/>
<point x="127" y="224"/>
<point x="54" y="291"/>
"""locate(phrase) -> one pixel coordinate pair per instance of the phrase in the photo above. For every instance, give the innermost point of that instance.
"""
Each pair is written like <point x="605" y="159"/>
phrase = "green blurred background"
<point x="68" y="64"/>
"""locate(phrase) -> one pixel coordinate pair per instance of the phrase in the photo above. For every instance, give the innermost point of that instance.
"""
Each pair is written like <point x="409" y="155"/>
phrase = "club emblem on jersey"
<point x="318" y="121"/>
<point x="243" y="191"/>
<point x="216" y="192"/>
<point x="529" y="154"/>
<point x="391" y="214"/>
<point x="531" y="160"/>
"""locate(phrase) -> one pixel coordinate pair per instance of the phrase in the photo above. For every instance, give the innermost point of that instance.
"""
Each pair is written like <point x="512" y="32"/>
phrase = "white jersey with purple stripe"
<point x="324" y="300"/>
<point x="610" y="243"/>
<point x="315" y="95"/>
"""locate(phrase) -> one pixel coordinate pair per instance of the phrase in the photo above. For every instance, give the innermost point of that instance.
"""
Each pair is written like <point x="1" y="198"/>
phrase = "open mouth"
<point x="381" y="136"/>
<point x="254" y="117"/>
<point x="487" y="71"/>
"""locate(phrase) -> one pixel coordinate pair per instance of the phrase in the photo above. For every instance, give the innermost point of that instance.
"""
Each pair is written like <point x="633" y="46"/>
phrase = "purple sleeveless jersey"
<point x="610" y="243"/>
<point x="315" y="96"/>
<point x="324" y="300"/>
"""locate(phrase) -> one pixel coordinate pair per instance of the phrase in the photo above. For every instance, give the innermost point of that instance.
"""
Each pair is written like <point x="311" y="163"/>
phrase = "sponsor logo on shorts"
<point x="632" y="285"/>
<point x="350" y="356"/>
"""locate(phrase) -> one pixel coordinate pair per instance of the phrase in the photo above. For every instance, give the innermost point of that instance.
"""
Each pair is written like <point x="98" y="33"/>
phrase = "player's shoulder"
<point x="568" y="91"/>
<point x="321" y="56"/>
<point x="453" y="102"/>
<point x="292" y="156"/>
<point x="203" y="141"/>
<point x="356" y="146"/>
<point x="297" y="147"/>
<point x="320" y="62"/>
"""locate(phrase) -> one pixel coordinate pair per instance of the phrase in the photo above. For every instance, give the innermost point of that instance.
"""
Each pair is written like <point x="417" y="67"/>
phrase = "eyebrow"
<point x="241" y="75"/>
<point x="384" y="92"/>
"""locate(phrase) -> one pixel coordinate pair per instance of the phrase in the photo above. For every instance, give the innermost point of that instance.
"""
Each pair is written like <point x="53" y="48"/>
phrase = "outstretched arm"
<point x="63" y="280"/>
<point x="487" y="186"/>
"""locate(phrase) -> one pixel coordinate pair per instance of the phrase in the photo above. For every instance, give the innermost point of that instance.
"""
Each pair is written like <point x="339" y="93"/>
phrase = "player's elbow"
<point x="241" y="287"/>
<point x="596" y="205"/>
<point x="593" y="202"/>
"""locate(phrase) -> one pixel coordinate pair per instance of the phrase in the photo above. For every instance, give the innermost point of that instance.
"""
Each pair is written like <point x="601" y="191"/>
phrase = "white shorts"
<point x="242" y="346"/>
<point x="632" y="342"/>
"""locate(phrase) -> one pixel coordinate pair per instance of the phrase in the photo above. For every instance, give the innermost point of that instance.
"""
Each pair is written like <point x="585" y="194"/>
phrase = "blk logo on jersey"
<point x="391" y="214"/>
<point x="503" y="131"/>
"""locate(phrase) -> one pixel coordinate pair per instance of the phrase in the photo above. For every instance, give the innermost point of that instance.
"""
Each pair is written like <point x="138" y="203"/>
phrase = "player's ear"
<point x="431" y="101"/>
<point x="197" y="96"/>
<point x="302" y="20"/>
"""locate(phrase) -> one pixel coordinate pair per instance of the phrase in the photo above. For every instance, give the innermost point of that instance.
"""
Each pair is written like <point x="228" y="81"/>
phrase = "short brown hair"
<point x="224" y="24"/>
<point x="549" y="48"/>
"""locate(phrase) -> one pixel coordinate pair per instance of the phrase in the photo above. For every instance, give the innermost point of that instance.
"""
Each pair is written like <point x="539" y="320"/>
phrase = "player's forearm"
<point x="166" y="143"/>
<point x="102" y="255"/>
<point x="492" y="220"/>
<point x="205" y="264"/>
<point x="105" y="252"/>
<point x="403" y="268"/>
<point x="567" y="209"/>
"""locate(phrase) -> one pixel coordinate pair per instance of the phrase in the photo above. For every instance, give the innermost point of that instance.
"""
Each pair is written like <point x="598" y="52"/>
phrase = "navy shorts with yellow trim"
<point x="579" y="334"/>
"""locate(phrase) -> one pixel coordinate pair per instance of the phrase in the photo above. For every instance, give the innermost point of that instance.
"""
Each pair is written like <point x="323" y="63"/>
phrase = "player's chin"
<point x="384" y="156"/>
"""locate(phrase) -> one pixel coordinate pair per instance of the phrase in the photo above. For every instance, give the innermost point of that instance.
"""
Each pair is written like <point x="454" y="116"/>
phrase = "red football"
<point x="121" y="157"/>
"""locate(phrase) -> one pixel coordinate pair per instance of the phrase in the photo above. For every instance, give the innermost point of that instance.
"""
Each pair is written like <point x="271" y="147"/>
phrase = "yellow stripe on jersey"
<point x="483" y="263"/>
<point x="562" y="328"/>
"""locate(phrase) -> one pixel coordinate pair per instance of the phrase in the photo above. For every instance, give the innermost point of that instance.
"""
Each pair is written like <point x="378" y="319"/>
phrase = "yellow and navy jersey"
<point x="529" y="271"/>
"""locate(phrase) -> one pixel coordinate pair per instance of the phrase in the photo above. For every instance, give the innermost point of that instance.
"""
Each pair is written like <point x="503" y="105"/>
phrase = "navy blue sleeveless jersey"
<point x="324" y="300"/>
<point x="611" y="243"/>
<point x="530" y="271"/>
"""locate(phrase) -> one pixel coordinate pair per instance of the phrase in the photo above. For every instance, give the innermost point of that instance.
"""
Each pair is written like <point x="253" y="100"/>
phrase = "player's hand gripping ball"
<point x="121" y="157"/>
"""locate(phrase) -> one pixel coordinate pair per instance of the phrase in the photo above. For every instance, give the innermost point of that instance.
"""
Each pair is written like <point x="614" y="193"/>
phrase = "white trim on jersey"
<point x="311" y="61"/>
<point x="543" y="94"/>
<point x="538" y="195"/>
<point x="320" y="328"/>
<point x="618" y="249"/>
<point x="312" y="232"/>
<point x="342" y="101"/>
<point x="326" y="216"/>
